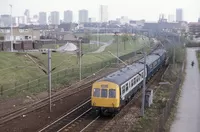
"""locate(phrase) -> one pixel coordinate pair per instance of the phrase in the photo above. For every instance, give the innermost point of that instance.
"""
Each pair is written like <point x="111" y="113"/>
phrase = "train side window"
<point x="123" y="90"/>
<point x="112" y="93"/>
<point x="151" y="66"/>
<point x="104" y="93"/>
<point x="132" y="83"/>
<point x="96" y="92"/>
<point x="155" y="63"/>
<point x="135" y="80"/>
<point x="142" y="74"/>
<point x="126" y="86"/>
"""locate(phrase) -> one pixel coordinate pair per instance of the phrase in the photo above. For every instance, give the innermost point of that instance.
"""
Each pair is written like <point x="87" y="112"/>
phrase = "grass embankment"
<point x="102" y="38"/>
<point x="198" y="56"/>
<point x="96" y="37"/>
<point x="85" y="47"/>
<point x="17" y="69"/>
<point x="150" y="121"/>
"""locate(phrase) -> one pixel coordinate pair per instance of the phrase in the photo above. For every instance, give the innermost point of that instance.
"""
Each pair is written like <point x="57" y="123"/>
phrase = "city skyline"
<point x="148" y="10"/>
<point x="103" y="13"/>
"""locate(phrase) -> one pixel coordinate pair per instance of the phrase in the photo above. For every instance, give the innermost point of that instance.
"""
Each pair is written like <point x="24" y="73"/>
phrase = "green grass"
<point x="150" y="121"/>
<point x="130" y="45"/>
<point x="85" y="47"/>
<point x="94" y="37"/>
<point x="18" y="71"/>
<point x="102" y="38"/>
<point x="198" y="56"/>
<point x="52" y="46"/>
<point x="29" y="70"/>
<point x="16" y="68"/>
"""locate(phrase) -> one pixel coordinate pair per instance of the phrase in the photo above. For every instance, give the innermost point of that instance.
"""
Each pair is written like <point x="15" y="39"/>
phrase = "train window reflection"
<point x="112" y="93"/>
<point x="123" y="90"/>
<point x="96" y="92"/>
<point x="104" y="93"/>
<point x="126" y="86"/>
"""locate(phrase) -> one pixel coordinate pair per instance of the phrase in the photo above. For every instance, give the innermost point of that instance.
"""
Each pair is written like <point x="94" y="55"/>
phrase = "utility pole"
<point x="80" y="53"/>
<point x="98" y="35"/>
<point x="116" y="35"/>
<point x="117" y="46"/>
<point x="174" y="55"/>
<point x="144" y="86"/>
<point x="11" y="29"/>
<point x="49" y="77"/>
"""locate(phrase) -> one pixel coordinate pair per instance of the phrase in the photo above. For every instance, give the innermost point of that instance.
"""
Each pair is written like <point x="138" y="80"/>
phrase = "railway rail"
<point x="67" y="92"/>
<point x="82" y="119"/>
<point x="71" y="90"/>
<point x="150" y="85"/>
<point x="99" y="122"/>
<point x="67" y="119"/>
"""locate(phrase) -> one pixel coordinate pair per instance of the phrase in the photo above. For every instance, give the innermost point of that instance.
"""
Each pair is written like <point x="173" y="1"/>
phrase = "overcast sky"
<point x="134" y="9"/>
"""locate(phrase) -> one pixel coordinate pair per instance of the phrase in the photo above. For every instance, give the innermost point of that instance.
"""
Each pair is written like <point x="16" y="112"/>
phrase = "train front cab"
<point x="105" y="99"/>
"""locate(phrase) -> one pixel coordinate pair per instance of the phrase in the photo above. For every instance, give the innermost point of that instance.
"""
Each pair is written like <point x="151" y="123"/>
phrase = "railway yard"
<point x="72" y="110"/>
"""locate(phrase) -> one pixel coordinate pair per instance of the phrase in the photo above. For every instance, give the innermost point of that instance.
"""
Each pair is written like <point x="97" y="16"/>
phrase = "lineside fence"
<point x="61" y="78"/>
<point x="165" y="114"/>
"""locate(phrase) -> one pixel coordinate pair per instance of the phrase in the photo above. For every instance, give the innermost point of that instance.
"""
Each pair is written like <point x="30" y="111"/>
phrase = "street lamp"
<point x="11" y="29"/>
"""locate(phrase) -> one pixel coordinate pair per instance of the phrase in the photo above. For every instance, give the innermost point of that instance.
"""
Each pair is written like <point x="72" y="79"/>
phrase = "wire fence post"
<point x="1" y="90"/>
<point x="38" y="82"/>
<point x="28" y="84"/>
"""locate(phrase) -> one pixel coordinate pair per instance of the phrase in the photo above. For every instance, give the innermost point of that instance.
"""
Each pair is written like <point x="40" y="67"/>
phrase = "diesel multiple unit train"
<point x="112" y="92"/>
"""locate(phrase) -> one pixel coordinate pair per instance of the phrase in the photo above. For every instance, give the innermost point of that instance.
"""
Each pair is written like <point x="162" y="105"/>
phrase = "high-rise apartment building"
<point x="42" y="18"/>
<point x="83" y="16"/>
<point x="179" y="15"/>
<point x="55" y="18"/>
<point x="103" y="12"/>
<point x="68" y="16"/>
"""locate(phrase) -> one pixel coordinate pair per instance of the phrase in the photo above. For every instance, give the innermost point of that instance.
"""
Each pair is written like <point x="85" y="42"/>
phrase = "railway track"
<point x="69" y="118"/>
<point x="92" y="124"/>
<point x="150" y="85"/>
<point x="57" y="96"/>
<point x="67" y="92"/>
<point x="100" y="122"/>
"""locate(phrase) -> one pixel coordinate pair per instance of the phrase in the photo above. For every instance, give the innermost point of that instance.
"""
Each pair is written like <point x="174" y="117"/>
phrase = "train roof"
<point x="160" y="52"/>
<point x="122" y="75"/>
<point x="150" y="59"/>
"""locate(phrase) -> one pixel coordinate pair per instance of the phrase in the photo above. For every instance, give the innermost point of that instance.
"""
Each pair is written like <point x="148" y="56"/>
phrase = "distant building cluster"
<point x="103" y="12"/>
<point x="83" y="16"/>
<point x="171" y="17"/>
<point x="179" y="15"/>
<point x="68" y="16"/>
<point x="53" y="18"/>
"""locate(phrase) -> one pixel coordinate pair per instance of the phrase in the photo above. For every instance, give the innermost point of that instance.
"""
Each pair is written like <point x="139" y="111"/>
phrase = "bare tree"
<point x="125" y="38"/>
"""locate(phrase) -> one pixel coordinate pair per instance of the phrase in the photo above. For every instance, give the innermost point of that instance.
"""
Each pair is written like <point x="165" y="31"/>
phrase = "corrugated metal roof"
<point x="159" y="52"/>
<point x="150" y="59"/>
<point x="120" y="76"/>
